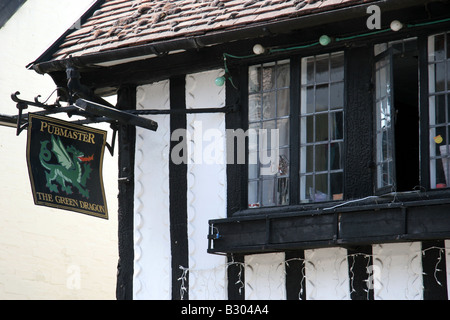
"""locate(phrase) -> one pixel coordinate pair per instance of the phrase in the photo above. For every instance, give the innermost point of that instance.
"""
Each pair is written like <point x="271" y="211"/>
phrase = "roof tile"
<point x="123" y="23"/>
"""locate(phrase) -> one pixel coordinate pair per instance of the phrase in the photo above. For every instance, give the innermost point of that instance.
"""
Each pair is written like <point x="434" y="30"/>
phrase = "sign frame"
<point x="65" y="165"/>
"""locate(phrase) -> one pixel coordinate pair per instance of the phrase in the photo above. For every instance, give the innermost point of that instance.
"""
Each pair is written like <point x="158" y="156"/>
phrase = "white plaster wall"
<point x="397" y="271"/>
<point x="206" y="197"/>
<point x="46" y="253"/>
<point x="326" y="272"/>
<point x="265" y="277"/>
<point x="206" y="179"/>
<point x="447" y="264"/>
<point x="152" y="265"/>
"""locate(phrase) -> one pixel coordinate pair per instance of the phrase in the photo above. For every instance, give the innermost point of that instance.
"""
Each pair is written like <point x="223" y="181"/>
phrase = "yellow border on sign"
<point x="30" y="173"/>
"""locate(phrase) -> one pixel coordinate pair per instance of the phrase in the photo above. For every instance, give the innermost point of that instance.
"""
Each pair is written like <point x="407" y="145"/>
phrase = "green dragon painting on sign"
<point x="65" y="165"/>
<point x="73" y="168"/>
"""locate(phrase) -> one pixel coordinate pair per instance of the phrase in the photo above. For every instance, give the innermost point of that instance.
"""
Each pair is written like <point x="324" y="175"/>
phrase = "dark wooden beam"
<point x="178" y="196"/>
<point x="347" y="227"/>
<point x="126" y="141"/>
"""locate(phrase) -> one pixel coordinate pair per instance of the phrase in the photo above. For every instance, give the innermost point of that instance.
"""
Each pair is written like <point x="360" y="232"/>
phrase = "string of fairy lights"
<point x="324" y="41"/>
<point x="305" y="277"/>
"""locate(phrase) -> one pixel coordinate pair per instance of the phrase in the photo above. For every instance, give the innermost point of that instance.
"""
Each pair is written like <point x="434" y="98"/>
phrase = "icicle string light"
<point x="369" y="270"/>
<point x="183" y="279"/>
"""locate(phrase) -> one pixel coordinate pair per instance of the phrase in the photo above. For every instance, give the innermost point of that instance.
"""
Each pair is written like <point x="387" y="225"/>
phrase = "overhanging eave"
<point x="93" y="60"/>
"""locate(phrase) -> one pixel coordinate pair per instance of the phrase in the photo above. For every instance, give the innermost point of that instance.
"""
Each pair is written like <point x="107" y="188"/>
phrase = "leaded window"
<point x="396" y="113"/>
<point x="319" y="130"/>
<point x="322" y="128"/>
<point x="268" y="116"/>
<point x="439" y="113"/>
<point x="385" y="165"/>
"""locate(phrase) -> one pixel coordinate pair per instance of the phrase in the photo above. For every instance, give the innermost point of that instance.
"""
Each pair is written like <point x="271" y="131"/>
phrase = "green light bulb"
<point x="220" y="81"/>
<point x="324" y="40"/>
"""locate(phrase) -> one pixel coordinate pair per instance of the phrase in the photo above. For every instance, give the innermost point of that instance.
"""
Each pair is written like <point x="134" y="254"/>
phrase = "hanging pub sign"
<point x="65" y="165"/>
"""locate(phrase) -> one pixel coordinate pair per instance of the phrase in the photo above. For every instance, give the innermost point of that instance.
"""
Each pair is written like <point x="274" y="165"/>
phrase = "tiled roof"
<point x="127" y="23"/>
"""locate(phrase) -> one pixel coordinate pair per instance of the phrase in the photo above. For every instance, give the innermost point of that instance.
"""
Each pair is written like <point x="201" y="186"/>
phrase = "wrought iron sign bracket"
<point x="226" y="109"/>
<point x="23" y="105"/>
<point x="111" y="146"/>
<point x="123" y="117"/>
<point x="96" y="113"/>
<point x="20" y="126"/>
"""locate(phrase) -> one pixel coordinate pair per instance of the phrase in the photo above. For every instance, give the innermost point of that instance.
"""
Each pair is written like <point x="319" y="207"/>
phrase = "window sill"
<point x="407" y="216"/>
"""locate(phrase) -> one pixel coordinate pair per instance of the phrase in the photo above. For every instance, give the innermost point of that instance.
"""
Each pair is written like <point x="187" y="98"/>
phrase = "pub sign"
<point x="65" y="165"/>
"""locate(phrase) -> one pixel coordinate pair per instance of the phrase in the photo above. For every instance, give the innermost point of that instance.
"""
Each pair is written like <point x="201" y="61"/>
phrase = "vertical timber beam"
<point x="360" y="273"/>
<point x="236" y="174"/>
<point x="358" y="126"/>
<point x="295" y="275"/>
<point x="178" y="195"/>
<point x="127" y="144"/>
<point x="433" y="270"/>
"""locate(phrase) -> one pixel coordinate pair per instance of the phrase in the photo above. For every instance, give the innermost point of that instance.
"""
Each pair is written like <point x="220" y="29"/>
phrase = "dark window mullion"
<point x="358" y="178"/>
<point x="294" y="137"/>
